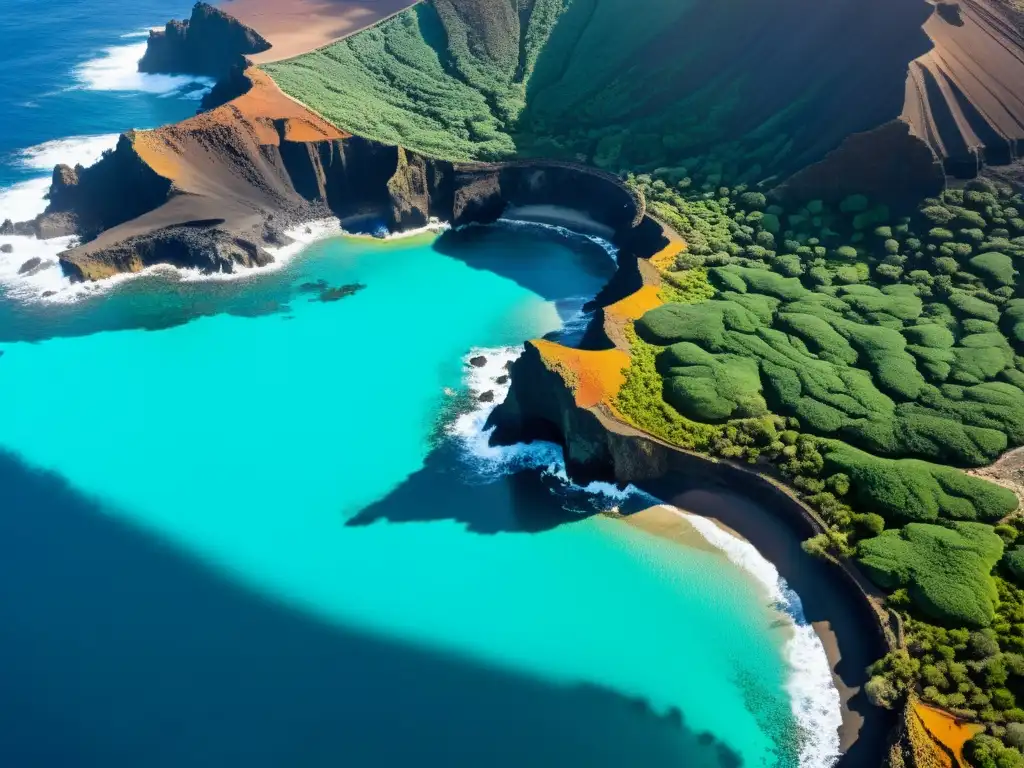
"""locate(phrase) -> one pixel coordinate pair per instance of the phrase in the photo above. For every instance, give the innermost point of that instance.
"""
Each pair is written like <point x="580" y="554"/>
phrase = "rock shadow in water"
<point x="510" y="252"/>
<point x="445" y="489"/>
<point x="118" y="650"/>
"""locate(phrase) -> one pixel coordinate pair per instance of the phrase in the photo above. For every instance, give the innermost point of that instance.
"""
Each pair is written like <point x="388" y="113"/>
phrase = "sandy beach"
<point x="836" y="614"/>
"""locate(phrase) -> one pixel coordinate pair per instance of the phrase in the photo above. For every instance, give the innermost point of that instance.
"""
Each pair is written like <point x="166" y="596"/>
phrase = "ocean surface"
<point x="256" y="520"/>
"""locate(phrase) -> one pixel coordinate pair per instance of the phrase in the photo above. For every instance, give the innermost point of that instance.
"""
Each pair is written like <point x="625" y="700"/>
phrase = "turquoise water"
<point x="249" y="526"/>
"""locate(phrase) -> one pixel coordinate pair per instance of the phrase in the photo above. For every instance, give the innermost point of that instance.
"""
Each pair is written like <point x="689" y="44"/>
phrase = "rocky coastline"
<point x="543" y="402"/>
<point x="214" y="192"/>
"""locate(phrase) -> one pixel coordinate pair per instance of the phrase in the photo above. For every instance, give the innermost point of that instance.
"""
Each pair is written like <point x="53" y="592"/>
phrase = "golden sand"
<point x="595" y="377"/>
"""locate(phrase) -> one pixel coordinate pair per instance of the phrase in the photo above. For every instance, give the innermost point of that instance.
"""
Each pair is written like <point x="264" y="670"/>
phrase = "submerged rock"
<point x="486" y="397"/>
<point x="29" y="265"/>
<point x="478" y="362"/>
<point x="334" y="294"/>
<point x="319" y="285"/>
<point x="6" y="248"/>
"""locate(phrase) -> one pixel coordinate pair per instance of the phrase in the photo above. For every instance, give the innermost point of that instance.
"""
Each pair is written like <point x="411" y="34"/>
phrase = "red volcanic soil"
<point x="293" y="27"/>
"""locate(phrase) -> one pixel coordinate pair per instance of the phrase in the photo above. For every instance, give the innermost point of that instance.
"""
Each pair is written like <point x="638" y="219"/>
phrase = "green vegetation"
<point x="890" y="355"/>
<point x="945" y="570"/>
<point x="908" y="490"/>
<point x="586" y="80"/>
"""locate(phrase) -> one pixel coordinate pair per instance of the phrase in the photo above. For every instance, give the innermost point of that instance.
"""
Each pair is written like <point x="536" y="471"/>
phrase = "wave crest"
<point x="117" y="69"/>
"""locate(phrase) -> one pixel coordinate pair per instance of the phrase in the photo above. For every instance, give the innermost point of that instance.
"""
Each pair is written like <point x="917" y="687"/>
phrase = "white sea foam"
<point x="814" y="698"/>
<point x="606" y="245"/>
<point x="24" y="200"/>
<point x="117" y="69"/>
<point x="137" y="33"/>
<point x="497" y="460"/>
<point x="27" y="199"/>
<point x="44" y="278"/>
<point x="74" y="150"/>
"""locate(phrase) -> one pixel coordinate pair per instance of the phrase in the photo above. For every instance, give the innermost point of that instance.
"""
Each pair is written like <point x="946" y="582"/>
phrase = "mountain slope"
<point x="729" y="91"/>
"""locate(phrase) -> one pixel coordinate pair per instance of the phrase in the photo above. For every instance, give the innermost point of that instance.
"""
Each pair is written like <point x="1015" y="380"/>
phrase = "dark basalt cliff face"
<point x="209" y="43"/>
<point x="131" y="217"/>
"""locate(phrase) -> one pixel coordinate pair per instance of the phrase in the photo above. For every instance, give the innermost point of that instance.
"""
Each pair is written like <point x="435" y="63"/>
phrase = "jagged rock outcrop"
<point x="87" y="201"/>
<point x="209" y="43"/>
<point x="202" y="247"/>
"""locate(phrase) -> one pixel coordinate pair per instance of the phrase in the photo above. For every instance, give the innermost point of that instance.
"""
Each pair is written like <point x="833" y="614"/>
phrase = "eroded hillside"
<point x="729" y="91"/>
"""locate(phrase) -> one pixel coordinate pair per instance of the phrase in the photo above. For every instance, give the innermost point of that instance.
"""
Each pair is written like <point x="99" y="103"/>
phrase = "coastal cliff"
<point x="209" y="43"/>
<point x="216" y="191"/>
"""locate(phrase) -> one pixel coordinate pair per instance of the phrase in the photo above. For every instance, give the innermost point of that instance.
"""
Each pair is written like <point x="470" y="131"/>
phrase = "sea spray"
<point x="117" y="69"/>
<point x="813" y="696"/>
<point x="27" y="199"/>
<point x="493" y="461"/>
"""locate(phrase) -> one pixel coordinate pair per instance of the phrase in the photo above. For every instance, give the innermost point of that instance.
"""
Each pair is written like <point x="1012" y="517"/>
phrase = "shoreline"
<point x="757" y="527"/>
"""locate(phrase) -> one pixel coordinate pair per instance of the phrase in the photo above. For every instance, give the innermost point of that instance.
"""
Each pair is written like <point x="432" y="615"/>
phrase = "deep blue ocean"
<point x="243" y="525"/>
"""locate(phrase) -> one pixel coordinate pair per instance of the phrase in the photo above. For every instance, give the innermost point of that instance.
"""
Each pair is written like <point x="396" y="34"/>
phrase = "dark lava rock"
<point x="502" y="379"/>
<point x="486" y="397"/>
<point x="6" y="248"/>
<point x="334" y="294"/>
<point x="210" y="43"/>
<point x="478" y="362"/>
<point x="49" y="293"/>
<point x="508" y="365"/>
<point x="317" y="287"/>
<point x="29" y="265"/>
<point x="7" y="228"/>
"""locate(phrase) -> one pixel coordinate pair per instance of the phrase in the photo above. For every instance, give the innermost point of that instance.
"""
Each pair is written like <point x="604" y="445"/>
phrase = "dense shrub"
<point x="945" y="570"/>
<point x="911" y="490"/>
<point x="1015" y="564"/>
<point x="994" y="266"/>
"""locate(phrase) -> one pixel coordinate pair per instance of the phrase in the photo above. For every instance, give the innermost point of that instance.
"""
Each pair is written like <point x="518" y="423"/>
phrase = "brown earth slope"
<point x="965" y="97"/>
<point x="293" y="27"/>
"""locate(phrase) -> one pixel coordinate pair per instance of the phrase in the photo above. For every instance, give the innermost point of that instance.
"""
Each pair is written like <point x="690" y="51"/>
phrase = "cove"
<point x="242" y="526"/>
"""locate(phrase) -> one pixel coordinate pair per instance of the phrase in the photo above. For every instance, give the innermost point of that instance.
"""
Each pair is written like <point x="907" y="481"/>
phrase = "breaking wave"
<point x="117" y="69"/>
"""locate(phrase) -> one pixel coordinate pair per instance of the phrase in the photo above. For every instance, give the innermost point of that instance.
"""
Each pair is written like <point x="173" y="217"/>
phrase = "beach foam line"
<point x="813" y="696"/>
<point x="117" y="69"/>
<point x="606" y="245"/>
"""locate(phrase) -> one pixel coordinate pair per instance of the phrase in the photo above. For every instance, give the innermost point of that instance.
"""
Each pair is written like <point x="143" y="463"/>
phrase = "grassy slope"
<point x="623" y="84"/>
